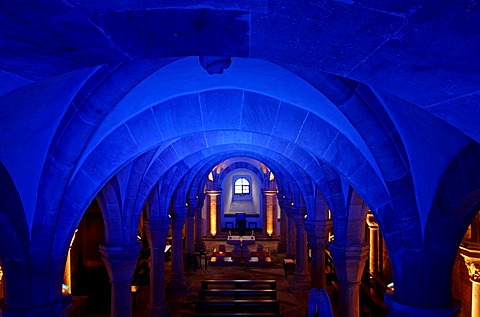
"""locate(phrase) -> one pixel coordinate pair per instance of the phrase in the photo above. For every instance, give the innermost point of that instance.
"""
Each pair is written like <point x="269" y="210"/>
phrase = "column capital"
<point x="349" y="261"/>
<point x="298" y="214"/>
<point x="269" y="192"/>
<point x="284" y="204"/>
<point x="213" y="192"/>
<point x="156" y="225"/>
<point x="317" y="232"/>
<point x="371" y="222"/>
<point x="471" y="256"/>
<point x="157" y="231"/>
<point x="318" y="227"/>
<point x="178" y="217"/>
<point x="120" y="261"/>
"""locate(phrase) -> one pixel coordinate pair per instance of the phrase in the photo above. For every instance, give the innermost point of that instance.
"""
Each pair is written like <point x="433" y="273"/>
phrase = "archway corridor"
<point x="185" y="121"/>
<point x="92" y="291"/>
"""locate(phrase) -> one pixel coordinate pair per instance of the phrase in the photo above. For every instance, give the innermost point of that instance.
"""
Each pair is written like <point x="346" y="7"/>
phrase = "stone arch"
<point x="456" y="203"/>
<point x="110" y="203"/>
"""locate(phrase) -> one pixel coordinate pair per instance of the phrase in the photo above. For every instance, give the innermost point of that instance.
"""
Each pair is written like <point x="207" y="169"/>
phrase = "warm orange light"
<point x="213" y="214"/>
<point x="67" y="274"/>
<point x="269" y="196"/>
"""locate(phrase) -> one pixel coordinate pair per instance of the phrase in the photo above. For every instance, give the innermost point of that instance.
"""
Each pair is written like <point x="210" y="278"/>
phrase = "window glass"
<point x="242" y="186"/>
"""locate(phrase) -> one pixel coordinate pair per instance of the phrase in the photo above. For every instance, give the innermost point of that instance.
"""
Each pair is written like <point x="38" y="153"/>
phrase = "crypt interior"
<point x="145" y="145"/>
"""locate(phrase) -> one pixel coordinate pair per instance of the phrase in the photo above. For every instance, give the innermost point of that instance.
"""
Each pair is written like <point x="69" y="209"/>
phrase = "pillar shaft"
<point x="291" y="233"/>
<point x="269" y="209"/>
<point x="301" y="279"/>
<point x="349" y="265"/>
<point x="199" y="223"/>
<point x="178" y="281"/>
<point x="157" y="232"/>
<point x="317" y="232"/>
<point x="282" y="245"/>
<point x="212" y="212"/>
<point x="189" y="227"/>
<point x="374" y="253"/>
<point x="120" y="262"/>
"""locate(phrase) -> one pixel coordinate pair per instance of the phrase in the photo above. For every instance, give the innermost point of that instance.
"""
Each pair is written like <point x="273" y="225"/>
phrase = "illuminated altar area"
<point x="240" y="245"/>
<point x="240" y="250"/>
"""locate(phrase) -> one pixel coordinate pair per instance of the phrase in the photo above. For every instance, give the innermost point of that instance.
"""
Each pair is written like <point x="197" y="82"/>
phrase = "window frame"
<point x="243" y="187"/>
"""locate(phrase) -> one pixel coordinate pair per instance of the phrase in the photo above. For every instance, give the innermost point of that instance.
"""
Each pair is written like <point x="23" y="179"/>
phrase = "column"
<point x="291" y="234"/>
<point x="1" y="282"/>
<point x="58" y="308"/>
<point x="269" y="202"/>
<point x="471" y="255"/>
<point x="177" y="283"/>
<point x="189" y="227"/>
<point x="157" y="232"/>
<point x="317" y="232"/>
<point x="212" y="211"/>
<point x="349" y="261"/>
<point x="385" y="262"/>
<point x="374" y="253"/>
<point x="121" y="262"/>
<point x="282" y="245"/>
<point x="198" y="223"/>
<point x="301" y="279"/>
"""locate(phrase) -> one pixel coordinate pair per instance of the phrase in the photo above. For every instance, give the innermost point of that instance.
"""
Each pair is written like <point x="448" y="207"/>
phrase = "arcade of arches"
<point x="341" y="130"/>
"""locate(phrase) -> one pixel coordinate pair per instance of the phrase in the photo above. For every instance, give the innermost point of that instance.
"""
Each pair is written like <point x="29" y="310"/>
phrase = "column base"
<point x="177" y="284"/>
<point x="300" y="284"/>
<point x="401" y="310"/>
<point x="158" y="311"/>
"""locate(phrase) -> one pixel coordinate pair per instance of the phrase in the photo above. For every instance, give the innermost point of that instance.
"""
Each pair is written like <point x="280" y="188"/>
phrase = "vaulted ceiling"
<point x="379" y="96"/>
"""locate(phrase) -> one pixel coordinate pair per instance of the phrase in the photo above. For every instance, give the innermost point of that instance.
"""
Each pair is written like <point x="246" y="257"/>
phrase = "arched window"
<point x="242" y="186"/>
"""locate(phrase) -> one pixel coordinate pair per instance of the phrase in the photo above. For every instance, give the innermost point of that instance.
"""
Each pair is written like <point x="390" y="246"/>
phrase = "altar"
<point x="240" y="245"/>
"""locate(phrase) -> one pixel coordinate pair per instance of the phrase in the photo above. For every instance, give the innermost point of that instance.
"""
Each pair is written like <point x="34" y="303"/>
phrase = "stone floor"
<point x="183" y="305"/>
<point x="290" y="304"/>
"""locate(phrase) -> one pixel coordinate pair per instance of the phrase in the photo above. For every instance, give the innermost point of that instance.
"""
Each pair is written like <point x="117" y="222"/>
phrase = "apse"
<point x="243" y="185"/>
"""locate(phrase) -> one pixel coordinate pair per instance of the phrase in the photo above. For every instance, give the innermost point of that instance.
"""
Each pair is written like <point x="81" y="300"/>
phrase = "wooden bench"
<point x="238" y="293"/>
<point x="240" y="284"/>
<point x="237" y="305"/>
<point x="229" y="314"/>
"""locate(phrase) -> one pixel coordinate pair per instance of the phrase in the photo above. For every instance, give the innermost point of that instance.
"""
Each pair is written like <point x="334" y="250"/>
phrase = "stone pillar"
<point x="471" y="255"/>
<point x="301" y="279"/>
<point x="282" y="245"/>
<point x="121" y="262"/>
<point x="385" y="263"/>
<point x="1" y="283"/>
<point x="269" y="203"/>
<point x="349" y="264"/>
<point x="374" y="253"/>
<point x="199" y="222"/>
<point x="189" y="227"/>
<point x="178" y="282"/>
<point x="157" y="232"/>
<point x="212" y="211"/>
<point x="317" y="232"/>
<point x="55" y="309"/>
<point x="401" y="310"/>
<point x="291" y="234"/>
